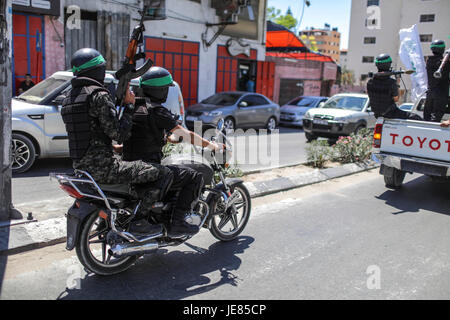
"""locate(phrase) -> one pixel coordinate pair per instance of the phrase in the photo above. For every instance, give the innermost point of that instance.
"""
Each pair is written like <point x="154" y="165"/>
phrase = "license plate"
<point x="191" y="118"/>
<point x="319" y="121"/>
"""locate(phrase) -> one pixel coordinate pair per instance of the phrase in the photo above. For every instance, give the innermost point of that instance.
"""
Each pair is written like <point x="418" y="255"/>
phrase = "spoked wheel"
<point x="229" y="125"/>
<point x="23" y="153"/>
<point x="228" y="225"/>
<point x="271" y="124"/>
<point x="93" y="249"/>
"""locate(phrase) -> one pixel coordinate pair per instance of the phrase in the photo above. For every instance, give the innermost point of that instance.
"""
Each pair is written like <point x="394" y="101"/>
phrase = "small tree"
<point x="286" y="20"/>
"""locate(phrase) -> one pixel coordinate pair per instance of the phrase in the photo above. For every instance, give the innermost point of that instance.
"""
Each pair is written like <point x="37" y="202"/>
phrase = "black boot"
<point x="179" y="227"/>
<point x="144" y="228"/>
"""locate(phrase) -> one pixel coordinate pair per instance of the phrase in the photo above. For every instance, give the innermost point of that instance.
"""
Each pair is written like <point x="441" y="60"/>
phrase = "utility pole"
<point x="5" y="109"/>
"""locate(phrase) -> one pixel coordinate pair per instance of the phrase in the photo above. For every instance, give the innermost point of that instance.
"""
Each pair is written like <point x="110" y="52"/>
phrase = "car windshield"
<point x="346" y="102"/>
<point x="222" y="99"/>
<point x="41" y="90"/>
<point x="302" y="102"/>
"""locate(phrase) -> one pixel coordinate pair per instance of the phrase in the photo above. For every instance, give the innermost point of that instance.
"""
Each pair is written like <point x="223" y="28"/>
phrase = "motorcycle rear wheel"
<point x="231" y="216"/>
<point x="91" y="234"/>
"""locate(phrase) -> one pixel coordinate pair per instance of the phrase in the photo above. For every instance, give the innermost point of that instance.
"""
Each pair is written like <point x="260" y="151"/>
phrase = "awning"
<point x="281" y="42"/>
<point x="311" y="56"/>
<point x="280" y="39"/>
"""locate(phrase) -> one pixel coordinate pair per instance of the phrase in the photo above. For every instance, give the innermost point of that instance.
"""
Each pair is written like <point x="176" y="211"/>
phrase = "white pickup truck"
<point x="404" y="146"/>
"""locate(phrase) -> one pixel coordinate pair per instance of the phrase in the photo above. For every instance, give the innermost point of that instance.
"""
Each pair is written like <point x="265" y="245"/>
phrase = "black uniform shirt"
<point x="163" y="118"/>
<point x="382" y="90"/>
<point x="24" y="86"/>
<point x="438" y="87"/>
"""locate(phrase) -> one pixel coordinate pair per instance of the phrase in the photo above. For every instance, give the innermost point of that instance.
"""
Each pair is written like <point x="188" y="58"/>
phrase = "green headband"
<point x="157" y="82"/>
<point x="383" y="61"/>
<point x="442" y="45"/>
<point x="91" y="63"/>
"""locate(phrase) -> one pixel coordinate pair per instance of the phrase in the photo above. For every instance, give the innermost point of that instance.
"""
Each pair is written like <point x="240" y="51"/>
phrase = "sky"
<point x="334" y="12"/>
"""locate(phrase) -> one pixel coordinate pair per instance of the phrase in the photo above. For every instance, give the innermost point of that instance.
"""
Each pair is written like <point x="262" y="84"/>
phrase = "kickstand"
<point x="198" y="249"/>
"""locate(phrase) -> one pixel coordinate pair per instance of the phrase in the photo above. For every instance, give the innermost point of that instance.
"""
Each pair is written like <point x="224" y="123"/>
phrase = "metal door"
<point x="28" y="48"/>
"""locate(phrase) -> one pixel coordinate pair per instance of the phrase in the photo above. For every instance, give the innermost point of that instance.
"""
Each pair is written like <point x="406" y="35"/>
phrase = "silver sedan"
<point x="239" y="109"/>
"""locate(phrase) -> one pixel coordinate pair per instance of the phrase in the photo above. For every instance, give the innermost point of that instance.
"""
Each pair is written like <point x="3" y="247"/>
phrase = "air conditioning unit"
<point x="228" y="10"/>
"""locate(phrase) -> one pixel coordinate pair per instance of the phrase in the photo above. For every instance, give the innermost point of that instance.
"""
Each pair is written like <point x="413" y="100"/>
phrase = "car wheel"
<point x="271" y="124"/>
<point x="23" y="153"/>
<point x="359" y="128"/>
<point x="310" y="137"/>
<point x="229" y="125"/>
<point x="393" y="178"/>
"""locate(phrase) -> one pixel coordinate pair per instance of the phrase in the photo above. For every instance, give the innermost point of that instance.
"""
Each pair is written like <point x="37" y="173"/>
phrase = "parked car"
<point x="292" y="112"/>
<point x="37" y="126"/>
<point x="406" y="106"/>
<point x="341" y="115"/>
<point x="239" y="109"/>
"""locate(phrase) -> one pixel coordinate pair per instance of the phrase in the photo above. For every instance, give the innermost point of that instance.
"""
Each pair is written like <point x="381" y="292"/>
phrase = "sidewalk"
<point x="27" y="235"/>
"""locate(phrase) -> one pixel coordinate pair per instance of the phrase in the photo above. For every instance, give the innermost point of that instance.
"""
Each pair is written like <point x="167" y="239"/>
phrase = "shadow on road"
<point x="43" y="167"/>
<point x="421" y="193"/>
<point x="163" y="275"/>
<point x="4" y="241"/>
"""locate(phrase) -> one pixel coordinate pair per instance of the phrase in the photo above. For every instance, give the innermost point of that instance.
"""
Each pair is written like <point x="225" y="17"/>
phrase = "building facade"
<point x="375" y="24"/>
<point x="202" y="60"/>
<point x="327" y="41"/>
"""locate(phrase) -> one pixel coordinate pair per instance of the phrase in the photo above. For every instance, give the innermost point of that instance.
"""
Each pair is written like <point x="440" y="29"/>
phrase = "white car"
<point x="341" y="115"/>
<point x="37" y="126"/>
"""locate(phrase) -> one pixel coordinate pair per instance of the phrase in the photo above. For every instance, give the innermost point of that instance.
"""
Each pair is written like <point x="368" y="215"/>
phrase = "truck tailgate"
<point x="416" y="138"/>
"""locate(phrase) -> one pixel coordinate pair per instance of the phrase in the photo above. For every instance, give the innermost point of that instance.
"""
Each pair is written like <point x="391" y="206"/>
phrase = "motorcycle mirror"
<point x="220" y="125"/>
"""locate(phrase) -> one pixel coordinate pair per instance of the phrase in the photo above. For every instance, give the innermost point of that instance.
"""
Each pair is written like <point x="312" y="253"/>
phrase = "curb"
<point x="24" y="237"/>
<point x="263" y="188"/>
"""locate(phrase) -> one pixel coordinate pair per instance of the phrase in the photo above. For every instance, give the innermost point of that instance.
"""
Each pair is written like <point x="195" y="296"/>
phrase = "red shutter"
<point x="265" y="78"/>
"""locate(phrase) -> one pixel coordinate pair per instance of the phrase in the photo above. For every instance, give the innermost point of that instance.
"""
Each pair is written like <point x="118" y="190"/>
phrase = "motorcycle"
<point x="99" y="219"/>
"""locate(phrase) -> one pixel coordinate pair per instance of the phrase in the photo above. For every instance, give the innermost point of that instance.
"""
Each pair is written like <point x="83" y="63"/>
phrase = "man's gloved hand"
<point x="129" y="101"/>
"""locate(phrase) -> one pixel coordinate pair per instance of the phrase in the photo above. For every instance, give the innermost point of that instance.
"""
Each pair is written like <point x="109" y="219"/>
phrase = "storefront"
<point x="298" y="71"/>
<point x="29" y="39"/>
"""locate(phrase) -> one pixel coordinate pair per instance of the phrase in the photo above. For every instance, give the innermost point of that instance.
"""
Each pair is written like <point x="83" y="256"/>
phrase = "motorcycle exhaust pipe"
<point x="132" y="249"/>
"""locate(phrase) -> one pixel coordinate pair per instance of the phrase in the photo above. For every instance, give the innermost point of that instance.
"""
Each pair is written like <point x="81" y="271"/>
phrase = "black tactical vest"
<point x="75" y="114"/>
<point x="147" y="140"/>
<point x="380" y="92"/>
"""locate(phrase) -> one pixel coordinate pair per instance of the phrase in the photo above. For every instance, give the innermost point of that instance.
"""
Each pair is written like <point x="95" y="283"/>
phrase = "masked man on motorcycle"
<point x="91" y="120"/>
<point x="383" y="92"/>
<point x="437" y="94"/>
<point x="152" y="122"/>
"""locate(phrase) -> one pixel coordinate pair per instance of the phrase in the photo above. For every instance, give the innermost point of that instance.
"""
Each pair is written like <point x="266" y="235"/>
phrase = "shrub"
<point x="354" y="148"/>
<point x="318" y="152"/>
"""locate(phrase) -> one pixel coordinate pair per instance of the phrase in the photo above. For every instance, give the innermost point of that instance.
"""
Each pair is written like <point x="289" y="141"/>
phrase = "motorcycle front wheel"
<point x="228" y="226"/>
<point x="93" y="249"/>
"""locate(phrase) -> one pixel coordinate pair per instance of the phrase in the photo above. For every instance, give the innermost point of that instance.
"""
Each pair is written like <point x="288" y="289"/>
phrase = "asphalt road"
<point x="348" y="238"/>
<point x="35" y="184"/>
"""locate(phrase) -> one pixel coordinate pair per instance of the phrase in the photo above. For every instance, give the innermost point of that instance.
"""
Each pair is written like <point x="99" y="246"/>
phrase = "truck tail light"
<point x="377" y="135"/>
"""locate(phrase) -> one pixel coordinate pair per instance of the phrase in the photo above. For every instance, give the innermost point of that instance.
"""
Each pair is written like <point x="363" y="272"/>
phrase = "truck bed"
<point x="427" y="140"/>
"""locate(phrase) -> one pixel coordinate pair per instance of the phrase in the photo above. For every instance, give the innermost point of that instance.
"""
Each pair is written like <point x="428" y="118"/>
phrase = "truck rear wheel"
<point x="393" y="178"/>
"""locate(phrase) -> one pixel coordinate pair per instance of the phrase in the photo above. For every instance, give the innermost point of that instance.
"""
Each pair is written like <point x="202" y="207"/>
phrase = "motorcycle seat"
<point x="122" y="189"/>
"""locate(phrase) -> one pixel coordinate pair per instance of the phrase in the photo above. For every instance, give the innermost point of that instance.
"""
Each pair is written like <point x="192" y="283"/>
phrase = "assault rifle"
<point x="390" y="73"/>
<point x="134" y="53"/>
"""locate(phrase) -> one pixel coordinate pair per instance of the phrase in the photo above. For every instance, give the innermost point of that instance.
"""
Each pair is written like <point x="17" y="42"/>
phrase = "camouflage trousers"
<point x="140" y="176"/>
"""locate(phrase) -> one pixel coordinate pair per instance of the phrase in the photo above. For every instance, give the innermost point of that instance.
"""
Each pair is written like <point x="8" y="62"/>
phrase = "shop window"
<point x="427" y="18"/>
<point x="367" y="59"/>
<point x="181" y="58"/>
<point x="426" y="37"/>
<point x="369" y="40"/>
